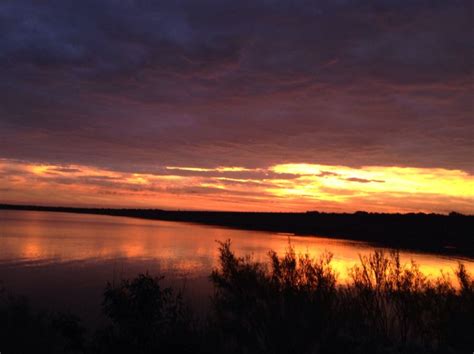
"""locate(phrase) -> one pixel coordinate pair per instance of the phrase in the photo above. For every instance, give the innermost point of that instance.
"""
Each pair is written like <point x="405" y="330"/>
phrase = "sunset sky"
<point x="328" y="105"/>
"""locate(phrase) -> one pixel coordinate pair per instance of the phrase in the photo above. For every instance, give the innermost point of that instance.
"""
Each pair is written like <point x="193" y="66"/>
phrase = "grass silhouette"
<point x="294" y="304"/>
<point x="290" y="304"/>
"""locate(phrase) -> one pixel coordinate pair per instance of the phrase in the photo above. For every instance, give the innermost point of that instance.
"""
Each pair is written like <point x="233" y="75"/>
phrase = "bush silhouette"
<point x="285" y="308"/>
<point x="294" y="305"/>
<point x="290" y="304"/>
<point x="146" y="318"/>
<point x="24" y="330"/>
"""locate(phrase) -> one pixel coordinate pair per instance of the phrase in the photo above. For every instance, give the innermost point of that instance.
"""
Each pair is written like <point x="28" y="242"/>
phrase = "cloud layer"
<point x="288" y="187"/>
<point x="132" y="86"/>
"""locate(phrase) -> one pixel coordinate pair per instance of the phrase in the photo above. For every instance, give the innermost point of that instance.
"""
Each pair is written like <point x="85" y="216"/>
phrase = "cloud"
<point x="293" y="187"/>
<point x="65" y="169"/>
<point x="363" y="180"/>
<point x="135" y="86"/>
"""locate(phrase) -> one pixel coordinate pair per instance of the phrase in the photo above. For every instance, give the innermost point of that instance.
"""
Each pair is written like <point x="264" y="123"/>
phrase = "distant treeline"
<point x="453" y="233"/>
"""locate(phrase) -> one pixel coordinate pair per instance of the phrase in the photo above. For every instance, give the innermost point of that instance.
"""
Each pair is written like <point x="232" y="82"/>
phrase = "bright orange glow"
<point x="57" y="238"/>
<point x="283" y="187"/>
<point x="380" y="179"/>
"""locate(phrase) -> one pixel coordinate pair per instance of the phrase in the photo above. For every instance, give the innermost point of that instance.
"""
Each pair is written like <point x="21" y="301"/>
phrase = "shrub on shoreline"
<point x="291" y="304"/>
<point x="295" y="305"/>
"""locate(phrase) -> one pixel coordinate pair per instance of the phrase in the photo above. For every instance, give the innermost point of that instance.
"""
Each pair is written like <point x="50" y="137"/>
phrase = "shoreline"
<point x="433" y="233"/>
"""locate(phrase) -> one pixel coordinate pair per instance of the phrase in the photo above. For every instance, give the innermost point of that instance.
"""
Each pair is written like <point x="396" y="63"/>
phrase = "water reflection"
<point x="62" y="261"/>
<point x="39" y="238"/>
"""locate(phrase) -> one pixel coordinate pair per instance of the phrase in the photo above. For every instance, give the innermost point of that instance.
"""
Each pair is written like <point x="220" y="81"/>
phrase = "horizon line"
<point x="13" y="205"/>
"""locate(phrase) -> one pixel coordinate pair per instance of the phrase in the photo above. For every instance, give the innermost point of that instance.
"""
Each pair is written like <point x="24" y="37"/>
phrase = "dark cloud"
<point x="65" y="169"/>
<point x="137" y="85"/>
<point x="363" y="180"/>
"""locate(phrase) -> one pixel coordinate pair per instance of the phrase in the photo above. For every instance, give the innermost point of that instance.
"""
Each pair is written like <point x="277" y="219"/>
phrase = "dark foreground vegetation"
<point x="450" y="234"/>
<point x="292" y="304"/>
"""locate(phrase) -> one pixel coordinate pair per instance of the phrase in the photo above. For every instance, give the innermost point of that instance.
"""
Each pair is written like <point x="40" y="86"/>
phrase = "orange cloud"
<point x="283" y="187"/>
<point x="375" y="179"/>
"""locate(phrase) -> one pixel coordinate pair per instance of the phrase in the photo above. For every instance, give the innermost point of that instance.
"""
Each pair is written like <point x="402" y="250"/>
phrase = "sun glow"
<point x="282" y="187"/>
<point x="373" y="179"/>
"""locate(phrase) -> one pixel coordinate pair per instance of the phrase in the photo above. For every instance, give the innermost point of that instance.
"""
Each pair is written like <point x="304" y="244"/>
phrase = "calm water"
<point x="64" y="260"/>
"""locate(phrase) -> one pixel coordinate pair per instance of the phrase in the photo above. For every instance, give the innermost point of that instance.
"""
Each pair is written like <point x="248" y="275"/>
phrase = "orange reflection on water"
<point x="55" y="238"/>
<point x="32" y="249"/>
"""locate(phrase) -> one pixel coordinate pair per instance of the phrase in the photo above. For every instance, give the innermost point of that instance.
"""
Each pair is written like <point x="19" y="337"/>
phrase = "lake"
<point x="63" y="261"/>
